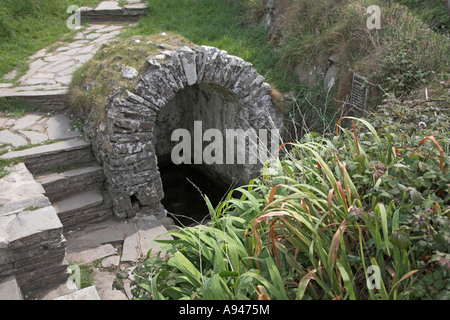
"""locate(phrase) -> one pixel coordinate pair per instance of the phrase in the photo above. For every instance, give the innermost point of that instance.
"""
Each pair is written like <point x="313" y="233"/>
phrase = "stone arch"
<point x="124" y="143"/>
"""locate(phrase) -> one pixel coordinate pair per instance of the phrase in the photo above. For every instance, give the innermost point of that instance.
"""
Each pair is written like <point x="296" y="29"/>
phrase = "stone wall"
<point x="177" y="88"/>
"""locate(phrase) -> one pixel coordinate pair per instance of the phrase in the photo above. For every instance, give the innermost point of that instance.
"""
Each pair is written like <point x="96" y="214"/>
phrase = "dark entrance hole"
<point x="182" y="186"/>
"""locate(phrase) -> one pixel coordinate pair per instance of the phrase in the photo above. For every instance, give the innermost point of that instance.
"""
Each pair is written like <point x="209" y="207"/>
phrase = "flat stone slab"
<point x="36" y="128"/>
<point x="136" y="6"/>
<point x="58" y="127"/>
<point x="5" y="121"/>
<point x="112" y="11"/>
<point x="141" y="233"/>
<point x="91" y="254"/>
<point x="50" y="73"/>
<point x="47" y="149"/>
<point x="89" y="293"/>
<point x="112" y="230"/>
<point x="9" y="289"/>
<point x="32" y="246"/>
<point x="59" y="291"/>
<point x="15" y="140"/>
<point x="26" y="92"/>
<point x="47" y="179"/>
<point x="19" y="190"/>
<point x="112" y="261"/>
<point x="79" y="201"/>
<point x="79" y="171"/>
<point x="26" y="121"/>
<point x="148" y="232"/>
<point x="131" y="247"/>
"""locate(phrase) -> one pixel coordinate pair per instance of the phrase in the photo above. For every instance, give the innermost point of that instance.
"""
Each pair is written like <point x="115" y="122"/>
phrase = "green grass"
<point x="431" y="11"/>
<point x="32" y="208"/>
<point x="87" y="276"/>
<point x="27" y="26"/>
<point x="15" y="108"/>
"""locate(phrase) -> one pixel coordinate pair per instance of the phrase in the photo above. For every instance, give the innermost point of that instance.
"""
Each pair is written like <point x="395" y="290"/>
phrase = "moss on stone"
<point x="93" y="83"/>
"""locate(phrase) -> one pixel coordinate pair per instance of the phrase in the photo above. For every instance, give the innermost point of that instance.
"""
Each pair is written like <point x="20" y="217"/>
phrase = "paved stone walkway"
<point x="35" y="128"/>
<point x="52" y="69"/>
<point x="118" y="245"/>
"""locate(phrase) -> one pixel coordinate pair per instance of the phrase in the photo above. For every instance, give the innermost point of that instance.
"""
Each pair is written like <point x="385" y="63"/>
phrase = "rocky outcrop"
<point x="111" y="11"/>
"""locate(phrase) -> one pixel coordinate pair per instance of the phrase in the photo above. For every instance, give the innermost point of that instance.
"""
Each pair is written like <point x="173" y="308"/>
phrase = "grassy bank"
<point x="431" y="11"/>
<point x="399" y="60"/>
<point x="368" y="196"/>
<point x="27" y="26"/>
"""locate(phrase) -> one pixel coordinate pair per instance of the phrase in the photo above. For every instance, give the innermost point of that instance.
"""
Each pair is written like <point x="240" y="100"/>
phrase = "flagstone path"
<point x="47" y="81"/>
<point x="50" y="70"/>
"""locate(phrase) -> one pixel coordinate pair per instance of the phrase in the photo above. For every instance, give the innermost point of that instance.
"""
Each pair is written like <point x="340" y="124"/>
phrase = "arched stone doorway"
<point x="179" y="90"/>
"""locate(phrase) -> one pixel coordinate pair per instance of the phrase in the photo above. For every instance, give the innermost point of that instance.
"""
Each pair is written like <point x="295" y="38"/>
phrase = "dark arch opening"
<point x="184" y="184"/>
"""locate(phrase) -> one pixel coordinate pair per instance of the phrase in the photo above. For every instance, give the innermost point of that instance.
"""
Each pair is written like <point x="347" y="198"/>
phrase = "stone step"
<point x="47" y="99"/>
<point x="46" y="157"/>
<point x="9" y="289"/>
<point x="83" y="208"/>
<point x="89" y="255"/>
<point x="58" y="186"/>
<point x="110" y="11"/>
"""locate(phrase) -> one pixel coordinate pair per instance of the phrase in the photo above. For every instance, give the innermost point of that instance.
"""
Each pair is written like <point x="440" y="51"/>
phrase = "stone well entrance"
<point x="178" y="89"/>
<point x="184" y="188"/>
